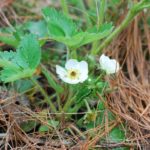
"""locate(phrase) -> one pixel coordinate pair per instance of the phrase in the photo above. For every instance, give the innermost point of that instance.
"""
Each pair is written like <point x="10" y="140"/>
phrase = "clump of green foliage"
<point x="59" y="27"/>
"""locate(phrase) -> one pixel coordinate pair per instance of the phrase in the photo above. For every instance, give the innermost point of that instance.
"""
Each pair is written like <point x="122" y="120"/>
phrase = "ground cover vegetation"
<point x="75" y="74"/>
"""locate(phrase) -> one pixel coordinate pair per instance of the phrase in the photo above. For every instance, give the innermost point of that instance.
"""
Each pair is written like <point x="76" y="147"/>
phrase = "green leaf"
<point x="23" y="62"/>
<point x="102" y="86"/>
<point x="10" y="74"/>
<point x="7" y="55"/>
<point x="82" y="93"/>
<point x="116" y="135"/>
<point x="9" y="39"/>
<point x="6" y="58"/>
<point x="29" y="125"/>
<point x="51" y="123"/>
<point x="43" y="128"/>
<point x="95" y="34"/>
<point x="58" y="23"/>
<point x="101" y="105"/>
<point x="51" y="81"/>
<point x="74" y="41"/>
<point x="38" y="28"/>
<point x="29" y="52"/>
<point x="12" y="37"/>
<point x="62" y="29"/>
<point x="23" y="85"/>
<point x="86" y="37"/>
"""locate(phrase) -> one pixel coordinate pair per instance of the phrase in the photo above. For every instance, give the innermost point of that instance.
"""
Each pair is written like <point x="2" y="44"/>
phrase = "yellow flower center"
<point x="73" y="74"/>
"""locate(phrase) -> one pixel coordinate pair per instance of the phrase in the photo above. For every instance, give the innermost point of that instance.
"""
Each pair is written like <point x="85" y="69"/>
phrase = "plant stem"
<point x="71" y="53"/>
<point x="88" y="21"/>
<point x="87" y="106"/>
<point x="108" y="40"/>
<point x="69" y="100"/>
<point x="77" y="107"/>
<point x="90" y="3"/>
<point x="130" y="16"/>
<point x="68" y="53"/>
<point x="101" y="12"/>
<point x="68" y="104"/>
<point x="74" y="54"/>
<point x="44" y="94"/>
<point x="100" y="19"/>
<point x="64" y="6"/>
<point x="59" y="103"/>
<point x="51" y="79"/>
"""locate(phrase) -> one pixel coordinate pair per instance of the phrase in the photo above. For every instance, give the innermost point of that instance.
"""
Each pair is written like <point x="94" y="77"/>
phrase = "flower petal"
<point x="109" y="65"/>
<point x="103" y="59"/>
<point x="83" y="67"/>
<point x="71" y="81"/>
<point x="114" y="66"/>
<point x="83" y="77"/>
<point x="71" y="64"/>
<point x="61" y="71"/>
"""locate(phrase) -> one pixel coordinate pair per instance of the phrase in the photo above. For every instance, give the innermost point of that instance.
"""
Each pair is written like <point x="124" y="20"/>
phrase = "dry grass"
<point x="132" y="99"/>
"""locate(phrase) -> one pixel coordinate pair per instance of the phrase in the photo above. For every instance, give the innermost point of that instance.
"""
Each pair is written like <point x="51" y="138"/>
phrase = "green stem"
<point x="69" y="100"/>
<point x="100" y="19"/>
<point x="108" y="40"/>
<point x="59" y="103"/>
<point x="68" y="53"/>
<point x="101" y="12"/>
<point x="77" y="107"/>
<point x="73" y="52"/>
<point x="64" y="6"/>
<point x="68" y="104"/>
<point x="90" y="3"/>
<point x="51" y="79"/>
<point x="130" y="16"/>
<point x="44" y="94"/>
<point x="88" y="21"/>
<point x="87" y="106"/>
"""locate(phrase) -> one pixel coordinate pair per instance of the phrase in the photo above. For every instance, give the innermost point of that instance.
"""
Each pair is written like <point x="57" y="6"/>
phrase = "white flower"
<point x="109" y="65"/>
<point x="74" y="71"/>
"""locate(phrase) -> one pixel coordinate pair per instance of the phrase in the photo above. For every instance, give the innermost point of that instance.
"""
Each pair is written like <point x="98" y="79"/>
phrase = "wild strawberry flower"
<point x="74" y="71"/>
<point x="109" y="65"/>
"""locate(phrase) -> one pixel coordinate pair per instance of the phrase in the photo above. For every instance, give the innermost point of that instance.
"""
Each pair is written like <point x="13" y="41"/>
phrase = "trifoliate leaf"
<point x="23" y="62"/>
<point x="58" y="23"/>
<point x="64" y="30"/>
<point x="86" y="37"/>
